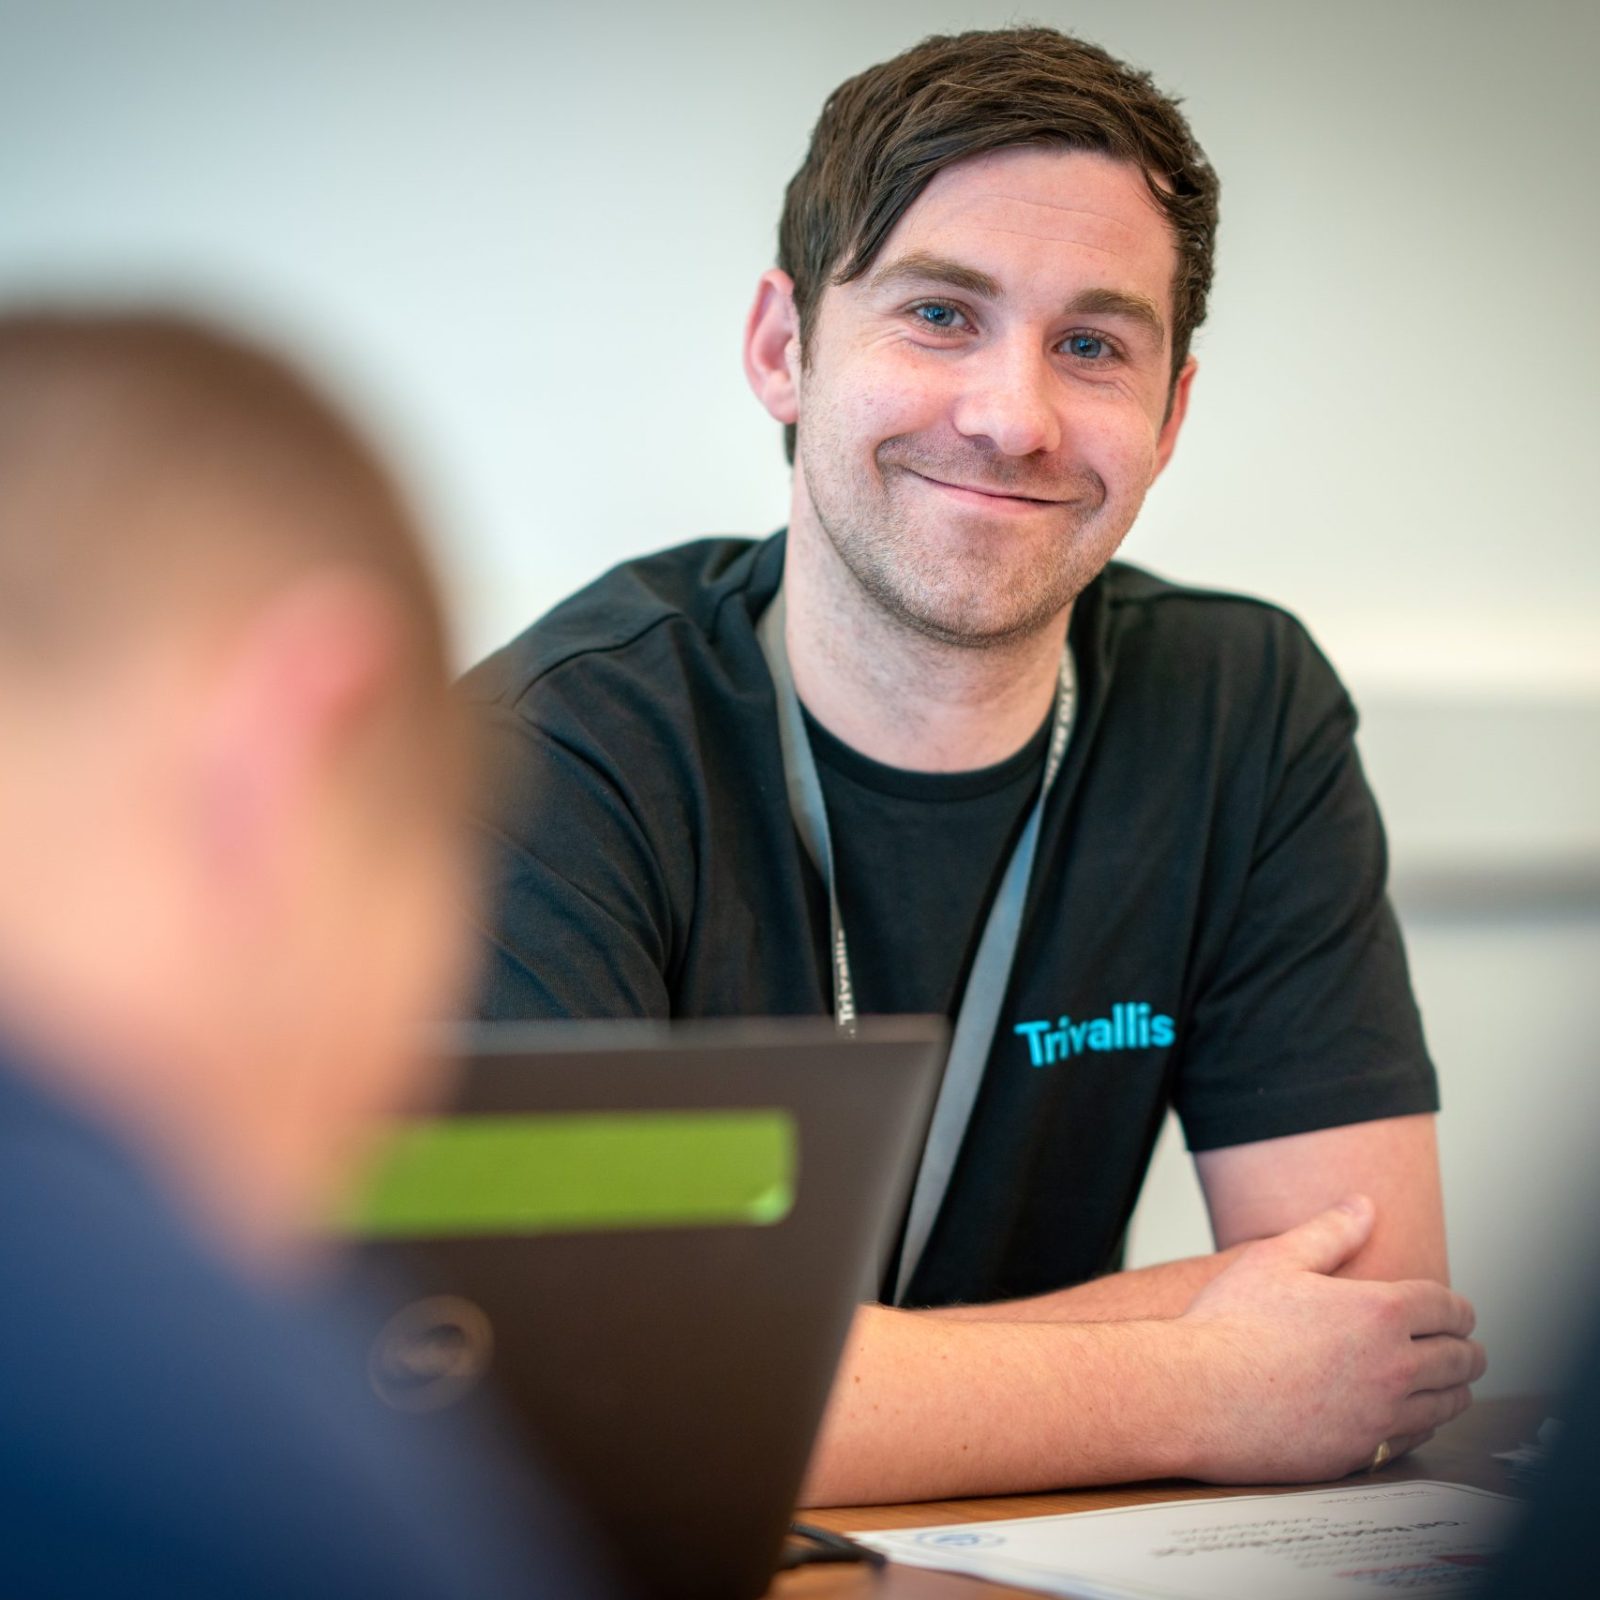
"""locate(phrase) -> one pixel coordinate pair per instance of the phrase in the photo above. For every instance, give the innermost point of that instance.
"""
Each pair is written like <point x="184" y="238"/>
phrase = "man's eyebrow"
<point x="1119" y="303"/>
<point x="920" y="267"/>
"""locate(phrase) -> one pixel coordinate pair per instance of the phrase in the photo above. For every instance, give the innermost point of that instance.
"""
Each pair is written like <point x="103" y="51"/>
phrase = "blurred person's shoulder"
<point x="171" y="1428"/>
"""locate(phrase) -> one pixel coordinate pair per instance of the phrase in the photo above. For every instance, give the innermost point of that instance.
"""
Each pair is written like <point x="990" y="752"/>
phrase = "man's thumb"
<point x="1323" y="1243"/>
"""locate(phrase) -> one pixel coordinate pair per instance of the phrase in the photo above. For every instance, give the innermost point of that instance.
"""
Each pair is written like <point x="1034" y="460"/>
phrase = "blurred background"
<point x="522" y="237"/>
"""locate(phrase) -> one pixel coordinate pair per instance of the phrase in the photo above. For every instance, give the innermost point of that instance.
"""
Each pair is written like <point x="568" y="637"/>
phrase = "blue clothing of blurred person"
<point x="167" y="1429"/>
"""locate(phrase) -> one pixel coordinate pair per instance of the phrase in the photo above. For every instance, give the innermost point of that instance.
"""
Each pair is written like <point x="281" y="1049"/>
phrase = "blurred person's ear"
<point x="295" y="687"/>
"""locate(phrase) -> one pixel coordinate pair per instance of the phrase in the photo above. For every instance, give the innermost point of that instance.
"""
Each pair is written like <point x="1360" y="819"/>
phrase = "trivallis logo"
<point x="1130" y="1026"/>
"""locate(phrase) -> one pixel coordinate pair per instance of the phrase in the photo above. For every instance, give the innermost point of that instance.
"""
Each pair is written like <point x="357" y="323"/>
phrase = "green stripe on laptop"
<point x="578" y="1172"/>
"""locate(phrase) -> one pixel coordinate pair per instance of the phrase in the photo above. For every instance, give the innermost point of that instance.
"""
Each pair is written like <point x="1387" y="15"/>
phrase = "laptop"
<point x="642" y="1244"/>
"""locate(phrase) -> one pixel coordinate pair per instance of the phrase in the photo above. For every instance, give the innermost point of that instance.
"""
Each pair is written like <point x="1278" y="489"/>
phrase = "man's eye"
<point x="937" y="315"/>
<point x="1087" y="346"/>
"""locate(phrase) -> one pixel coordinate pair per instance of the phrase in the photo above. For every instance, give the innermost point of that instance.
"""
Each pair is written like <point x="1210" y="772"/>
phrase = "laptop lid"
<point x="644" y="1244"/>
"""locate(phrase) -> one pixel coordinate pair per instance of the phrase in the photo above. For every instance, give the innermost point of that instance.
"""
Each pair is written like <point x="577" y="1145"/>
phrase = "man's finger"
<point x="1399" y="1443"/>
<point x="1443" y="1361"/>
<point x="1432" y="1308"/>
<point x="1402" y="1442"/>
<point x="1431" y="1409"/>
<point x="1322" y="1243"/>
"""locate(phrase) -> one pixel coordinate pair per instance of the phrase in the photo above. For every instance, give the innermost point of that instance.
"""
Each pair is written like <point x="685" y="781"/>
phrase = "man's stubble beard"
<point x="970" y="602"/>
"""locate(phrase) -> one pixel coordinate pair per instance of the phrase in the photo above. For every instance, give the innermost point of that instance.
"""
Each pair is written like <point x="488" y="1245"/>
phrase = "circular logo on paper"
<point x="960" y="1539"/>
<point x="430" y="1354"/>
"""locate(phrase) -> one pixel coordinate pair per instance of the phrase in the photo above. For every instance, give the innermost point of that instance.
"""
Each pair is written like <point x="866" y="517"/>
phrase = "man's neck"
<point x="220" y="1160"/>
<point x="896" y="695"/>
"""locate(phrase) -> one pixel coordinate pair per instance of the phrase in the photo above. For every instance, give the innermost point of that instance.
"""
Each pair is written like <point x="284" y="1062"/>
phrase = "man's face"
<point x="981" y="413"/>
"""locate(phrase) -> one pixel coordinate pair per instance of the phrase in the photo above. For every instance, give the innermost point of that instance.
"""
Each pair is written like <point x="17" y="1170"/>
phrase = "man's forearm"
<point x="1278" y="1372"/>
<point x="929" y="1407"/>
<point x="1147" y="1292"/>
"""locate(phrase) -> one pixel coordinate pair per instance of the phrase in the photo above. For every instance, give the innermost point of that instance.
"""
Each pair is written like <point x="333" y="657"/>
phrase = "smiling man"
<point x="933" y="750"/>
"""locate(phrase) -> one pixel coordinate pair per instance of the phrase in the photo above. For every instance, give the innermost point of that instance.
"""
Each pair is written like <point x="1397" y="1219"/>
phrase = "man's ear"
<point x="1177" y="410"/>
<point x="287" y="704"/>
<point x="772" y="347"/>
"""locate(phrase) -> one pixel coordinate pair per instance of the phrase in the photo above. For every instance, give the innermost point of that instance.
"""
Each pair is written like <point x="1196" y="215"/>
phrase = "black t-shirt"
<point x="1206" y="923"/>
<point x="918" y="857"/>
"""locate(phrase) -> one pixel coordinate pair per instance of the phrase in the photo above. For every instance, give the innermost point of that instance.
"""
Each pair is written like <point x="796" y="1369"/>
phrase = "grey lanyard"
<point x="991" y="968"/>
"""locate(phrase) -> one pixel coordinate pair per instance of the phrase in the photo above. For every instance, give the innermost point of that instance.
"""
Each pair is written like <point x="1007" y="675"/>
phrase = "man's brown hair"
<point x="884" y="134"/>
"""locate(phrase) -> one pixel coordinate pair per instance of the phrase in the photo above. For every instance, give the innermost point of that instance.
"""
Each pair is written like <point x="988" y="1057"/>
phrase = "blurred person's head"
<point x="230" y="880"/>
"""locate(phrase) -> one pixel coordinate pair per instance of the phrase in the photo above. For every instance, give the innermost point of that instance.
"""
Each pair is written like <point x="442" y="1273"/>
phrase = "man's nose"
<point x="1010" y="400"/>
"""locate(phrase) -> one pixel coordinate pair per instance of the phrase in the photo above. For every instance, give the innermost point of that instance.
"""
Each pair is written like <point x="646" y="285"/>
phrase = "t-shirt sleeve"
<point x="578" y="917"/>
<point x="1303" y="1016"/>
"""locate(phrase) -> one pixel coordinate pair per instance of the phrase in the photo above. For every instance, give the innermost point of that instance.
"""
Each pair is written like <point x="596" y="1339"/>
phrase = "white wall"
<point x="530" y="230"/>
<point x="525" y="234"/>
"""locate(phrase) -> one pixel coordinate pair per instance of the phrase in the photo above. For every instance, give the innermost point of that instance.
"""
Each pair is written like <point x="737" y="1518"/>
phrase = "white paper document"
<point x="1370" y="1539"/>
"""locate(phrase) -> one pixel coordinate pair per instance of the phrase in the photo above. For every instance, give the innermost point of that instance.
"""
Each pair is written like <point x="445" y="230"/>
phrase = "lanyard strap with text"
<point x="991" y="968"/>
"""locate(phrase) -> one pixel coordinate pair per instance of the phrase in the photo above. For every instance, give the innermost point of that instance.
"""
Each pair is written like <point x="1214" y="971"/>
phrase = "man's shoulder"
<point x="1206" y="638"/>
<point x="1179" y="607"/>
<point x="94" y="1244"/>
<point x="68" y="1190"/>
<point x="179" y="1429"/>
<point x="692" y="594"/>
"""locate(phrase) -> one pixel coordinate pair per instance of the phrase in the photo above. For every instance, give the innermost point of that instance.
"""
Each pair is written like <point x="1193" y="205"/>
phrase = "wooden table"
<point x="1460" y="1453"/>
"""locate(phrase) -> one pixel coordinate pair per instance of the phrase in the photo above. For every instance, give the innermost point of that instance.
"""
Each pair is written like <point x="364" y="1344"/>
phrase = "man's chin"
<point x="960" y="585"/>
<point x="972" y="621"/>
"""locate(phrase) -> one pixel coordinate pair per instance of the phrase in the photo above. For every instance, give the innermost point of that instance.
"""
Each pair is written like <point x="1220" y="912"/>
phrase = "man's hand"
<point x="1277" y="1373"/>
<point x="1254" y="1191"/>
<point x="1305" y="1374"/>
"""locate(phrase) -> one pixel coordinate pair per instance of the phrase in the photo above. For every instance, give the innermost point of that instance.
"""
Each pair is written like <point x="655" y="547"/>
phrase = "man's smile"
<point x="985" y="498"/>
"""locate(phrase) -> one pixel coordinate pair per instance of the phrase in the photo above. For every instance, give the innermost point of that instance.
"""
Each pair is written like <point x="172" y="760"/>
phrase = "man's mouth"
<point x="991" y="495"/>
